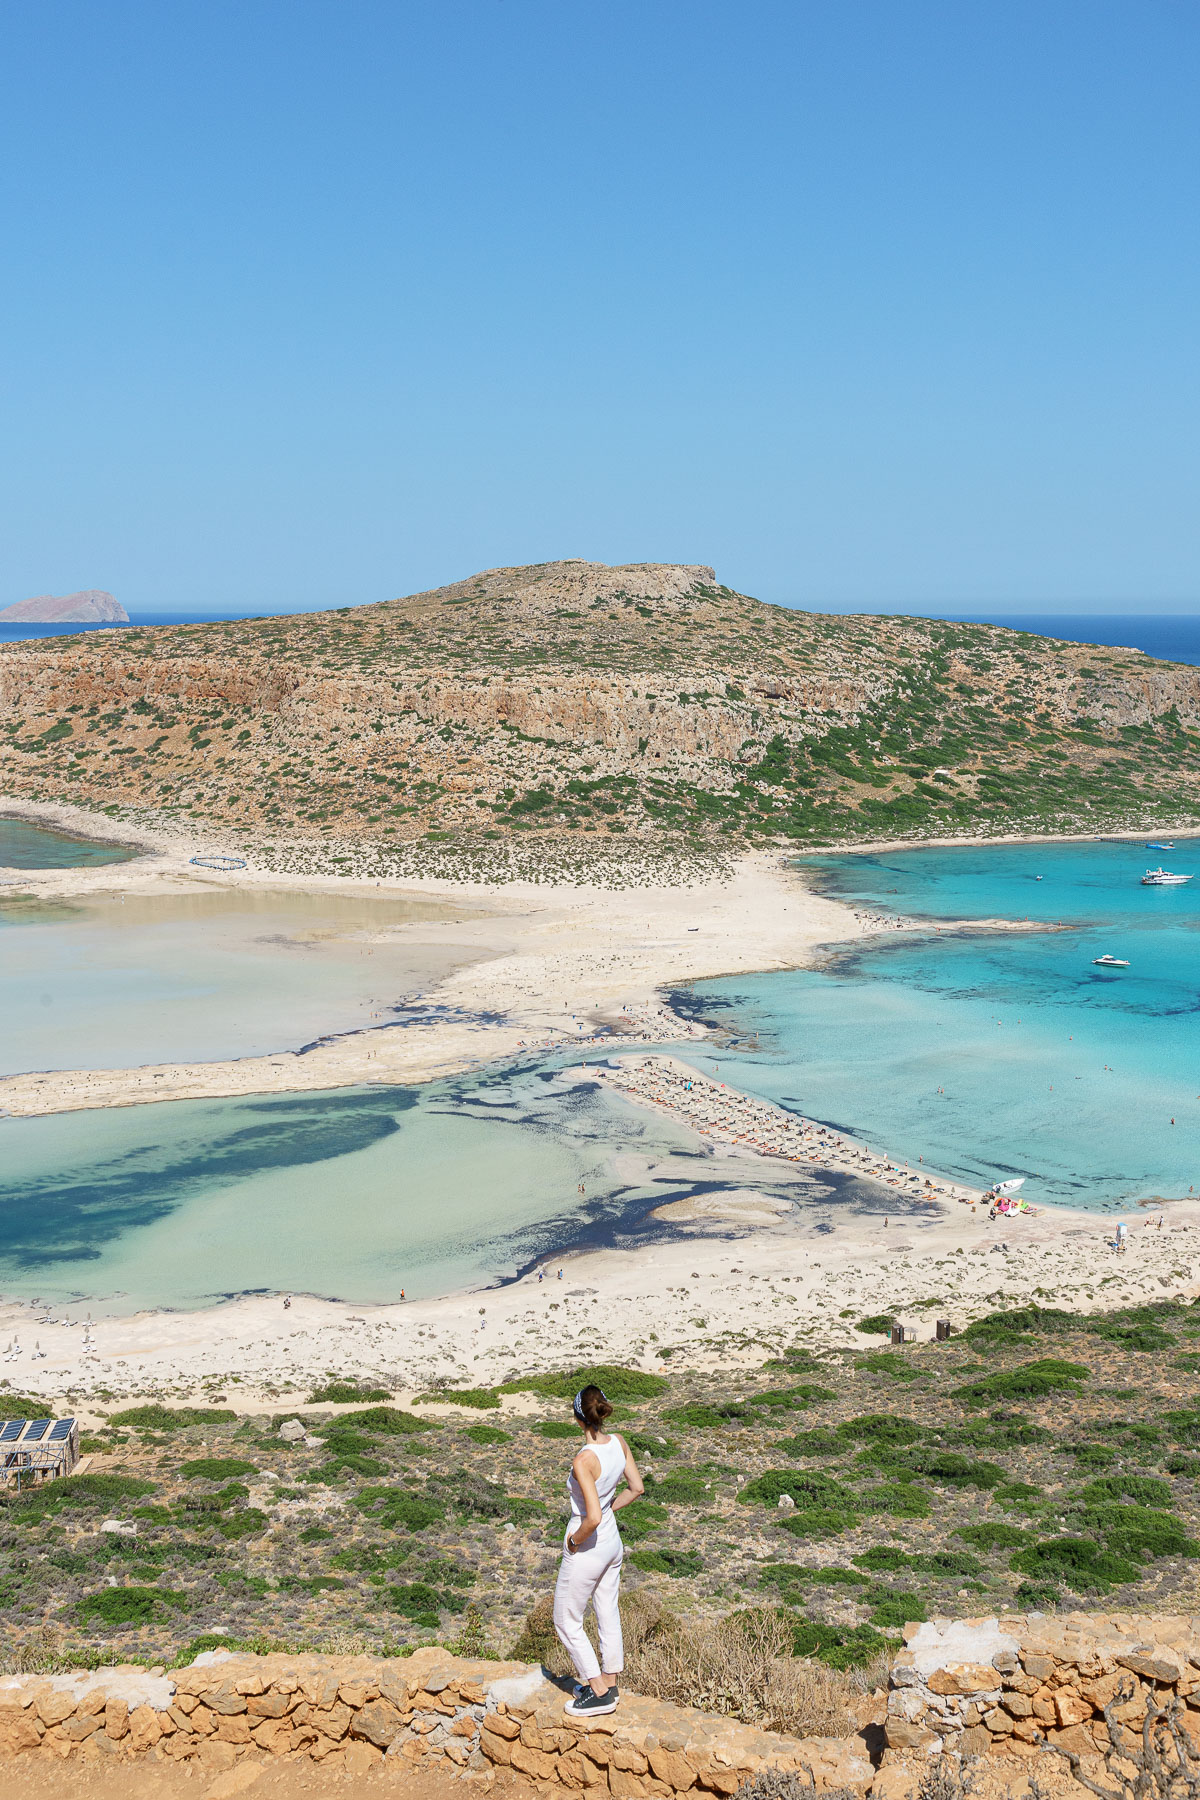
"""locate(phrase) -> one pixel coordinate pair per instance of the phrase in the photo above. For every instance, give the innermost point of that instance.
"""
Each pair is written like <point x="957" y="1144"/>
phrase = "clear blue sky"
<point x="880" y="303"/>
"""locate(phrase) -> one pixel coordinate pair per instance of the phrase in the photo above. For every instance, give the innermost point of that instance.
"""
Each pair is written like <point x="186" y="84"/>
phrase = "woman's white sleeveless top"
<point x="611" y="1457"/>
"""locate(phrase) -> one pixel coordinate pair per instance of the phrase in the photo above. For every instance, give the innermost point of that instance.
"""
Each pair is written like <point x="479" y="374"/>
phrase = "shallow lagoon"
<point x="24" y="846"/>
<point x="354" y="1194"/>
<point x="114" y="981"/>
<point x="995" y="1055"/>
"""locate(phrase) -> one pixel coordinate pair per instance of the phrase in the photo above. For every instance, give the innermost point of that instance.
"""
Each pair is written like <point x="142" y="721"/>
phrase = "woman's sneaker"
<point x="588" y="1704"/>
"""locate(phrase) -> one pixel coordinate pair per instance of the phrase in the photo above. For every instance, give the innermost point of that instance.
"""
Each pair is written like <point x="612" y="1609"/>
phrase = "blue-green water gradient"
<point x="998" y="1054"/>
<point x="24" y="846"/>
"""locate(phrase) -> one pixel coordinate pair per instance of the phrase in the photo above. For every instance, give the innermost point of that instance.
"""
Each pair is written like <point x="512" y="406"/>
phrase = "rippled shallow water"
<point x="24" y="846"/>
<point x="353" y="1194"/>
<point x="998" y="1055"/>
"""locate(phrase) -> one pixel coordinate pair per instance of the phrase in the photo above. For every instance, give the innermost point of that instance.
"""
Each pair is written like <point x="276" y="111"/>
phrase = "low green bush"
<point x="618" y="1383"/>
<point x="638" y="1521"/>
<point x="882" y="1556"/>
<point x="117" y="1606"/>
<point x="806" y="1393"/>
<point x="153" y="1417"/>
<point x="398" y="1506"/>
<point x="241" y="1521"/>
<point x="893" y="1608"/>
<point x="899" y="1499"/>
<point x="839" y="1646"/>
<point x="388" y="1421"/>
<point x="1032" y="1381"/>
<point x="890" y="1363"/>
<point x="951" y="1565"/>
<point x="647" y="1444"/>
<point x="482" y="1398"/>
<point x="487" y="1434"/>
<point x="1145" y="1490"/>
<point x="875" y="1324"/>
<point x="881" y="1428"/>
<point x="1136" y="1531"/>
<point x="1079" y="1562"/>
<point x="946" y="1468"/>
<point x="667" y="1562"/>
<point x="217" y="1468"/>
<point x="1038" y="1596"/>
<point x="1020" y="1321"/>
<point x="787" y="1575"/>
<point x="993" y="1537"/>
<point x="696" y="1415"/>
<point x="1090" y="1456"/>
<point x="681" y="1487"/>
<point x="559" y="1428"/>
<point x="76" y="1491"/>
<point x="423" y="1603"/>
<point x="347" y="1393"/>
<point x="818" y="1442"/>
<point x="999" y="1431"/>
<point x="819" y="1521"/>
<point x="807" y="1487"/>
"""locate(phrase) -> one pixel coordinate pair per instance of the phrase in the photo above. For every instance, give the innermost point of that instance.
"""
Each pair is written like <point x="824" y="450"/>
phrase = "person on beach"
<point x="592" y="1553"/>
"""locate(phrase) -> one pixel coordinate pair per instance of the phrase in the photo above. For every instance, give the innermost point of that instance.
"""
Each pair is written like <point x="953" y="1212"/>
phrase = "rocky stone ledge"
<point x="1009" y="1686"/>
<point x="352" y="1712"/>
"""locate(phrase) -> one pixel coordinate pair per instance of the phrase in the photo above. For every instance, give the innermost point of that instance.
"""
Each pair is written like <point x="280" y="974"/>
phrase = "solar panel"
<point x="37" y="1430"/>
<point x="62" y="1429"/>
<point x="11" y="1430"/>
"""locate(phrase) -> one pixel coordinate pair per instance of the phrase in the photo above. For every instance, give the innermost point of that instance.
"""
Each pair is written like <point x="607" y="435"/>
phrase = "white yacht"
<point x="1109" y="962"/>
<point x="1163" y="878"/>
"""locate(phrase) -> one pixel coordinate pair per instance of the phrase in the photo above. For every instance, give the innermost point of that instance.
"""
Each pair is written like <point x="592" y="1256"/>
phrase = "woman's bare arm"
<point x="634" y="1488"/>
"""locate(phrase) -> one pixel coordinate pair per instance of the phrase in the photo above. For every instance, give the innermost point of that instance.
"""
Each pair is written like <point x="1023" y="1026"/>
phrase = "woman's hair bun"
<point x="592" y="1407"/>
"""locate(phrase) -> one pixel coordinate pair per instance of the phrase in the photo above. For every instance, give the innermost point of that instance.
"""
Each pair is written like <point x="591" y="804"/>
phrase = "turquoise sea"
<point x="999" y="1054"/>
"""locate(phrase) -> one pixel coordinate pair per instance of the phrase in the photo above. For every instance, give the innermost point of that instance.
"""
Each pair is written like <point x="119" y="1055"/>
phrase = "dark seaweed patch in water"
<point x="56" y="1220"/>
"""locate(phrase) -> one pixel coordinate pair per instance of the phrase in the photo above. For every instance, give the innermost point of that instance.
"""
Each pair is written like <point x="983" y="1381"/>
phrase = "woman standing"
<point x="592" y="1552"/>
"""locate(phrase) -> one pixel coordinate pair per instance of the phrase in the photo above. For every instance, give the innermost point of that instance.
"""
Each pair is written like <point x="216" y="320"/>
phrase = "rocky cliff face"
<point x="574" y="698"/>
<point x="88" y="606"/>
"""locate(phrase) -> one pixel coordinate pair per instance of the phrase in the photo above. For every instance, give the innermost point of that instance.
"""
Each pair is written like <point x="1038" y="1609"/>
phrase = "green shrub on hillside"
<point x="1078" y="1561"/>
<point x="217" y="1468"/>
<point x="387" y="1421"/>
<point x="153" y="1417"/>
<point x="618" y="1383"/>
<point x="487" y="1434"/>
<point x="807" y="1487"/>
<point x="840" y="1646"/>
<point x="636" y="1522"/>
<point x="667" y="1562"/>
<point x="880" y="1428"/>
<point x="1049" y="1375"/>
<point x="481" y="1398"/>
<point x="117" y="1606"/>
<point x="819" y="1521"/>
<point x="398" y="1506"/>
<point x="993" y="1537"/>
<point x="696" y="1415"/>
<point x="347" y="1393"/>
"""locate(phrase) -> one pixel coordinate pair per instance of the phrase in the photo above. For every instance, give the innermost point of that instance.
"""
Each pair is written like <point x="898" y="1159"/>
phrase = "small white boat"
<point x="1109" y="962"/>
<point x="1163" y="878"/>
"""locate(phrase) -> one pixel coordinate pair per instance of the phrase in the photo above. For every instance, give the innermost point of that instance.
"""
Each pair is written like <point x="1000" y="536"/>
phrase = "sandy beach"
<point x="543" y="967"/>
<point x="742" y="1274"/>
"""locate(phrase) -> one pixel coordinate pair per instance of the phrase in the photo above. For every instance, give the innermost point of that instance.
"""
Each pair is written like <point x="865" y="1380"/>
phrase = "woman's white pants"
<point x="593" y="1573"/>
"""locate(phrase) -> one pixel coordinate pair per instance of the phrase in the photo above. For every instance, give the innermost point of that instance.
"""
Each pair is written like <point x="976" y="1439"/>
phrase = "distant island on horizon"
<point x="84" y="607"/>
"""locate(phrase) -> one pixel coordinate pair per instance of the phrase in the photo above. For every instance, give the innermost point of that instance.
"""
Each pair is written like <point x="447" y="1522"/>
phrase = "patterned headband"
<point x="577" y="1406"/>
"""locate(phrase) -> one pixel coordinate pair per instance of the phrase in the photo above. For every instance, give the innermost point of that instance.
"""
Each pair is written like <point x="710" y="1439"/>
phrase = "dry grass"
<point x="739" y="1667"/>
